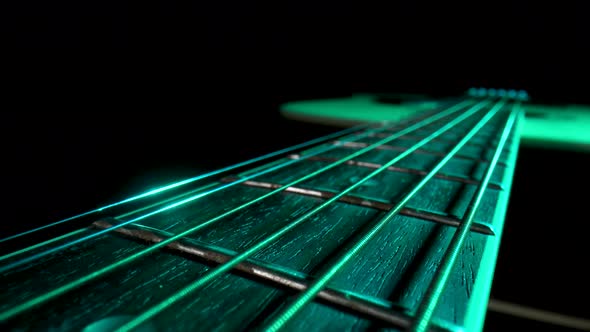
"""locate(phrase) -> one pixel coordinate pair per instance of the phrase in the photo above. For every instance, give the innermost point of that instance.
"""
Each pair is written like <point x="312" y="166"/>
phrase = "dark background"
<point x="107" y="98"/>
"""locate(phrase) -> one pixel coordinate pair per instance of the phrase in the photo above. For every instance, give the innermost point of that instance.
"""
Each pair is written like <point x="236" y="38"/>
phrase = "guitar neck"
<point x="390" y="225"/>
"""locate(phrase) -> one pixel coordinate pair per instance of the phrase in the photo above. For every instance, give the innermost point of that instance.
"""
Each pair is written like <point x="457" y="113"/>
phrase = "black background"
<point x="103" y="99"/>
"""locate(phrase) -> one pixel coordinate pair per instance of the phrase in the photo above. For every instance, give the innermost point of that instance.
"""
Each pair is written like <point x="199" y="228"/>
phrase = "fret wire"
<point x="441" y="139"/>
<point x="358" y="303"/>
<point x="450" y="136"/>
<point x="83" y="280"/>
<point x="305" y="297"/>
<point x="374" y="308"/>
<point x="38" y="245"/>
<point x="407" y="170"/>
<point x="421" y="151"/>
<point x="177" y="204"/>
<point x="437" y="285"/>
<point x="214" y="273"/>
<point x="375" y="204"/>
<point x="193" y="179"/>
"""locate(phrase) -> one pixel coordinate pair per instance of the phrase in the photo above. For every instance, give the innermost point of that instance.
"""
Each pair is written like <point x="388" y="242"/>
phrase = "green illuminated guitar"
<point x="393" y="224"/>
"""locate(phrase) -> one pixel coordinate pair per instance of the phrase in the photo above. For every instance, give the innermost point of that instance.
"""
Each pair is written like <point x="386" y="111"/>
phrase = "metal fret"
<point x="108" y="269"/>
<point x="416" y="137"/>
<point x="193" y="198"/>
<point x="436" y="287"/>
<point x="442" y="176"/>
<point x="213" y="274"/>
<point x="455" y="136"/>
<point x="357" y="145"/>
<point x="194" y="179"/>
<point x="279" y="276"/>
<point x="383" y="283"/>
<point x="373" y="203"/>
<point x="305" y="297"/>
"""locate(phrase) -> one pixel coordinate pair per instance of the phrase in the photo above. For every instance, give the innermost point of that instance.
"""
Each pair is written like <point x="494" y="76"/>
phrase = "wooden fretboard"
<point x="101" y="274"/>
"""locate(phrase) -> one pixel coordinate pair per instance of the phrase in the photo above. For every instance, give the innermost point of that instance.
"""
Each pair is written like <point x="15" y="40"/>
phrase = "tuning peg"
<point x="522" y="95"/>
<point x="511" y="94"/>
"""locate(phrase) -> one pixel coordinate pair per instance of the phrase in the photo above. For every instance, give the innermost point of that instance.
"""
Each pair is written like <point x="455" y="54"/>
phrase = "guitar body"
<point x="391" y="226"/>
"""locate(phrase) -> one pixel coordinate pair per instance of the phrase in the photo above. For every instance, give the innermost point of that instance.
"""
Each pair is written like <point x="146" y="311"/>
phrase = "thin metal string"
<point x="436" y="287"/>
<point x="193" y="179"/>
<point x="174" y="205"/>
<point x="83" y="280"/>
<point x="214" y="273"/>
<point x="307" y="296"/>
<point x="81" y="230"/>
<point x="44" y="243"/>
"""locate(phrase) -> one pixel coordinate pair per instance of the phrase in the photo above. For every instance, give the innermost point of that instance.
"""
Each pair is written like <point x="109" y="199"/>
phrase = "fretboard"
<point x="390" y="226"/>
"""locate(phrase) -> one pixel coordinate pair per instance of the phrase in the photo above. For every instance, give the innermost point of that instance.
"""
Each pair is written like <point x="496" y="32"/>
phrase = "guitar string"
<point x="221" y="269"/>
<point x="193" y="179"/>
<point x="438" y="283"/>
<point x="277" y="275"/>
<point x="84" y="229"/>
<point x="17" y="309"/>
<point x="215" y="172"/>
<point x="198" y="196"/>
<point x="38" y="245"/>
<point x="182" y="202"/>
<point x="308" y="295"/>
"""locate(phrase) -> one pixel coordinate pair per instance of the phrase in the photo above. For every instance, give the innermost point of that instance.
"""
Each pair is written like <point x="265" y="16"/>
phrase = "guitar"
<point x="393" y="223"/>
